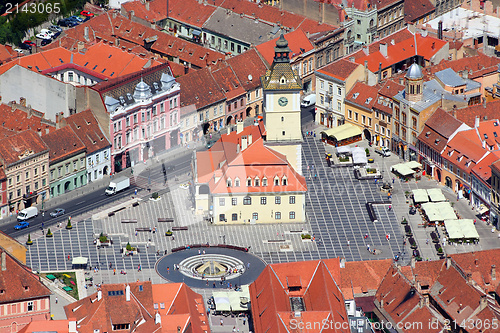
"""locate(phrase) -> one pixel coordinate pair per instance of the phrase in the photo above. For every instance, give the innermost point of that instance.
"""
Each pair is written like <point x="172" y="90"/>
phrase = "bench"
<point x="165" y="219"/>
<point x="129" y="220"/>
<point x="143" y="229"/>
<point x="179" y="228"/>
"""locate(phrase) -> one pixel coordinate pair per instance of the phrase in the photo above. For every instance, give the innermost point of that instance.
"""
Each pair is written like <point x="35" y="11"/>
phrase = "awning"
<point x="413" y="165"/>
<point x="222" y="302"/>
<point x="343" y="132"/>
<point x="50" y="277"/>
<point x="196" y="32"/>
<point x="483" y="210"/>
<point x="402" y="169"/>
<point x="79" y="261"/>
<point x="359" y="156"/>
<point x="436" y="195"/>
<point x="461" y="229"/>
<point x="420" y="195"/>
<point x="439" y="211"/>
<point x="232" y="300"/>
<point x="343" y="150"/>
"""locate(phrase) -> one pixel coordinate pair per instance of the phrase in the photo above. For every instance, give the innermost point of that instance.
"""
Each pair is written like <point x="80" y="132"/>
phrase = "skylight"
<point x="86" y="64"/>
<point x="115" y="293"/>
<point x="486" y="136"/>
<point x="95" y="67"/>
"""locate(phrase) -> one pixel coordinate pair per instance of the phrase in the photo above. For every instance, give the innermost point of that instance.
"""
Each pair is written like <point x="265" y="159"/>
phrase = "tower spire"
<point x="281" y="50"/>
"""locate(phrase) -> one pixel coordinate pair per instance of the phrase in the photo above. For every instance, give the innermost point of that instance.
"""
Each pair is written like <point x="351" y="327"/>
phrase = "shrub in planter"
<point x="29" y="241"/>
<point x="344" y="159"/>
<point x="103" y="238"/>
<point x="49" y="233"/>
<point x="69" y="226"/>
<point x="168" y="233"/>
<point x="155" y="195"/>
<point x="404" y="221"/>
<point x="305" y="236"/>
<point x="367" y="152"/>
<point x="440" y="250"/>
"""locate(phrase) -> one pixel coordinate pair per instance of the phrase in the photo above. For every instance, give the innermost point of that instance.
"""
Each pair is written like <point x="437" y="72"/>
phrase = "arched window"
<point x="249" y="181"/>
<point x="237" y="182"/>
<point x="284" y="181"/>
<point x="256" y="181"/>
<point x="276" y="181"/>
<point x="229" y="182"/>
<point x="264" y="181"/>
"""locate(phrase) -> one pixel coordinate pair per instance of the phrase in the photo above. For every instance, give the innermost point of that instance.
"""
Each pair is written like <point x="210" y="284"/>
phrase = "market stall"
<point x="436" y="195"/>
<point x="461" y="229"/>
<point x="438" y="211"/>
<point x="420" y="196"/>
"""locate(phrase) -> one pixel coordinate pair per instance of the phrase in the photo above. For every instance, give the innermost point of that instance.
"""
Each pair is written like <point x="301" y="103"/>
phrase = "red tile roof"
<point x="90" y="60"/>
<point x="54" y="326"/>
<point x="340" y="69"/>
<point x="395" y="38"/>
<point x="399" y="51"/>
<point x="18" y="146"/>
<point x="248" y="67"/>
<point x="297" y="41"/>
<point x="227" y="81"/>
<point x="468" y="115"/>
<point x="17" y="118"/>
<point x="476" y="66"/>
<point x="25" y="286"/>
<point x="443" y="123"/>
<point x="63" y="143"/>
<point x="417" y="9"/>
<point x="482" y="169"/>
<point x="479" y="265"/>
<point x="466" y="150"/>
<point x="362" y="277"/>
<point x="362" y="95"/>
<point x="87" y="128"/>
<point x="199" y="88"/>
<point x="7" y="53"/>
<point x="270" y="297"/>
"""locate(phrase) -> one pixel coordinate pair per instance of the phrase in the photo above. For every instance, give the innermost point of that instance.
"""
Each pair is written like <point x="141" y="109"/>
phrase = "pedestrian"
<point x="139" y="268"/>
<point x="135" y="191"/>
<point x="203" y="252"/>
<point x="114" y="271"/>
<point x="110" y="265"/>
<point x="136" y="233"/>
<point x="173" y="237"/>
<point x="199" y="251"/>
<point x="368" y="247"/>
<point x="68" y="257"/>
<point x="366" y="236"/>
<point x="214" y="287"/>
<point x="57" y="300"/>
<point x="389" y="236"/>
<point x="221" y="321"/>
<point x="348" y="243"/>
<point x="393" y="179"/>
<point x="248" y="265"/>
<point x="427" y="241"/>
<point x="390" y="208"/>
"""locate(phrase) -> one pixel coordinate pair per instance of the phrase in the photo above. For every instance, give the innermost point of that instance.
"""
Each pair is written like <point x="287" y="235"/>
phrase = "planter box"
<point x="153" y="199"/>
<point x="307" y="240"/>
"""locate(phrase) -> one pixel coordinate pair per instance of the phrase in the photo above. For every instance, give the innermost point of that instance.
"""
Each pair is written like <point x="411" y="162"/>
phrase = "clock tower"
<point x="281" y="87"/>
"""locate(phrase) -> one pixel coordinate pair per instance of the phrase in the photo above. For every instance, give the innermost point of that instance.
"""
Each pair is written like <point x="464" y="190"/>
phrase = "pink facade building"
<point x="144" y="113"/>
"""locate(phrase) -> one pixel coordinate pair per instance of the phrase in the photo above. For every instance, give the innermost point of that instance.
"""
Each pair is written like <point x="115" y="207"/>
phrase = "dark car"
<point x="25" y="46"/>
<point x="46" y="41"/>
<point x="22" y="225"/>
<point x="57" y="212"/>
<point x="55" y="28"/>
<point x="67" y="23"/>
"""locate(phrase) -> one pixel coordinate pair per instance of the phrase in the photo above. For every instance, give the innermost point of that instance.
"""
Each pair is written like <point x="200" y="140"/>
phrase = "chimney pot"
<point x="493" y="272"/>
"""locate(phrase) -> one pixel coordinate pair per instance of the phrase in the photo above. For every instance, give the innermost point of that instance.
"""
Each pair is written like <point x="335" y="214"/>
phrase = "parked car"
<point x="57" y="212"/>
<point x="43" y="36"/>
<point x="22" y="225"/>
<point x="76" y="18"/>
<point x="46" y="42"/>
<point x="86" y="13"/>
<point x="47" y="32"/>
<point x="25" y="46"/>
<point x="67" y="23"/>
<point x="55" y="28"/>
<point x="29" y="43"/>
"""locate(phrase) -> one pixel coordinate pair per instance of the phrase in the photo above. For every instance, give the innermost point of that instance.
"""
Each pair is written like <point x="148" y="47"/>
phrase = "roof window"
<point x="115" y="293"/>
<point x="485" y="136"/>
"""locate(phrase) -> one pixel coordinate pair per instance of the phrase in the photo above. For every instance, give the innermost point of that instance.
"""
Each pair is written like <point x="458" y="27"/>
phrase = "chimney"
<point x="476" y="122"/>
<point x="433" y="46"/>
<point x="383" y="49"/>
<point x="147" y="5"/>
<point x="86" y="33"/>
<point x="483" y="302"/>
<point x="249" y="139"/>
<point x="366" y="49"/>
<point x="60" y="122"/>
<point x="366" y="71"/>
<point x="72" y="327"/>
<point x="127" y="293"/>
<point x="22" y="101"/>
<point x="239" y="127"/>
<point x="342" y="262"/>
<point x="186" y="68"/>
<point x="237" y="148"/>
<point x="379" y="71"/>
<point x="493" y="272"/>
<point x="412" y="262"/>
<point x="424" y="301"/>
<point x="484" y="102"/>
<point x="157" y="319"/>
<point x="440" y="30"/>
<point x="99" y="295"/>
<point x="244" y="143"/>
<point x="448" y="262"/>
<point x="131" y="15"/>
<point x="4" y="263"/>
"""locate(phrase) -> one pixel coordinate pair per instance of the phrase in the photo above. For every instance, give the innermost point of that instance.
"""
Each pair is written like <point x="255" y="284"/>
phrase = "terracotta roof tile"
<point x="417" y="9"/>
<point x="340" y="69"/>
<point x="399" y="51"/>
<point x="56" y="326"/>
<point x="443" y="123"/>
<point x="297" y="41"/>
<point x="16" y="147"/>
<point x="17" y="118"/>
<point x="199" y="88"/>
<point x="362" y="95"/>
<point x="24" y="286"/>
<point x="476" y="66"/>
<point x="479" y="265"/>
<point x="248" y="67"/>
<point x="87" y="128"/>
<point x="63" y="143"/>
<point x="6" y="53"/>
<point x="468" y="115"/>
<point x="362" y="277"/>
<point x="227" y="81"/>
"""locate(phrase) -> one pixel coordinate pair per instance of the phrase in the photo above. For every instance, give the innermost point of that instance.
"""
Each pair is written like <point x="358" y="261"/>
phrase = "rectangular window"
<point x="36" y="185"/>
<point x="255" y="216"/>
<point x="292" y="199"/>
<point x="51" y="174"/>
<point x="27" y="175"/>
<point x="127" y="121"/>
<point x="292" y="215"/>
<point x="339" y="91"/>
<point x="247" y="200"/>
<point x="36" y="171"/>
<point x="222" y="201"/>
<point x="356" y="116"/>
<point x="222" y="217"/>
<point x="363" y="119"/>
<point x="349" y="114"/>
<point x="277" y="200"/>
<point x="234" y="217"/>
<point x="67" y="168"/>
<point x="263" y="200"/>
<point x="30" y="306"/>
<point x="44" y="182"/>
<point x="234" y="201"/>
<point x="277" y="215"/>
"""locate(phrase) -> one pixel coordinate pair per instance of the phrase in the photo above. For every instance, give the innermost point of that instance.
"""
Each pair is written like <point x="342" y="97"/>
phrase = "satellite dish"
<point x="250" y="77"/>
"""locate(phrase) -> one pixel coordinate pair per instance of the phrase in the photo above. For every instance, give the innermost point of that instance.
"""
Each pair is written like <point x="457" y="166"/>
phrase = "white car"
<point x="47" y="32"/>
<point x="43" y="36"/>
<point x="19" y="50"/>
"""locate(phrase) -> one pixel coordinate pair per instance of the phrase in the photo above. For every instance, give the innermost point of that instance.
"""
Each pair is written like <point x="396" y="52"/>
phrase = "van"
<point x="27" y="213"/>
<point x="308" y="101"/>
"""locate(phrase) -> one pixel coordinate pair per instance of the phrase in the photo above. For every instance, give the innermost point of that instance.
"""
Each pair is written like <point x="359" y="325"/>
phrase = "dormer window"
<point x="284" y="181"/>
<point x="427" y="134"/>
<point x="249" y="182"/>
<point x="276" y="181"/>
<point x="229" y="182"/>
<point x="450" y="153"/>
<point x="264" y="181"/>
<point x="256" y="181"/>
<point x="460" y="158"/>
<point x="237" y="182"/>
<point x="282" y="80"/>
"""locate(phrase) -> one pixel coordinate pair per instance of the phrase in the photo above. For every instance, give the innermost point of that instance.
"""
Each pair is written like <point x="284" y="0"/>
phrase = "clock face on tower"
<point x="283" y="101"/>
